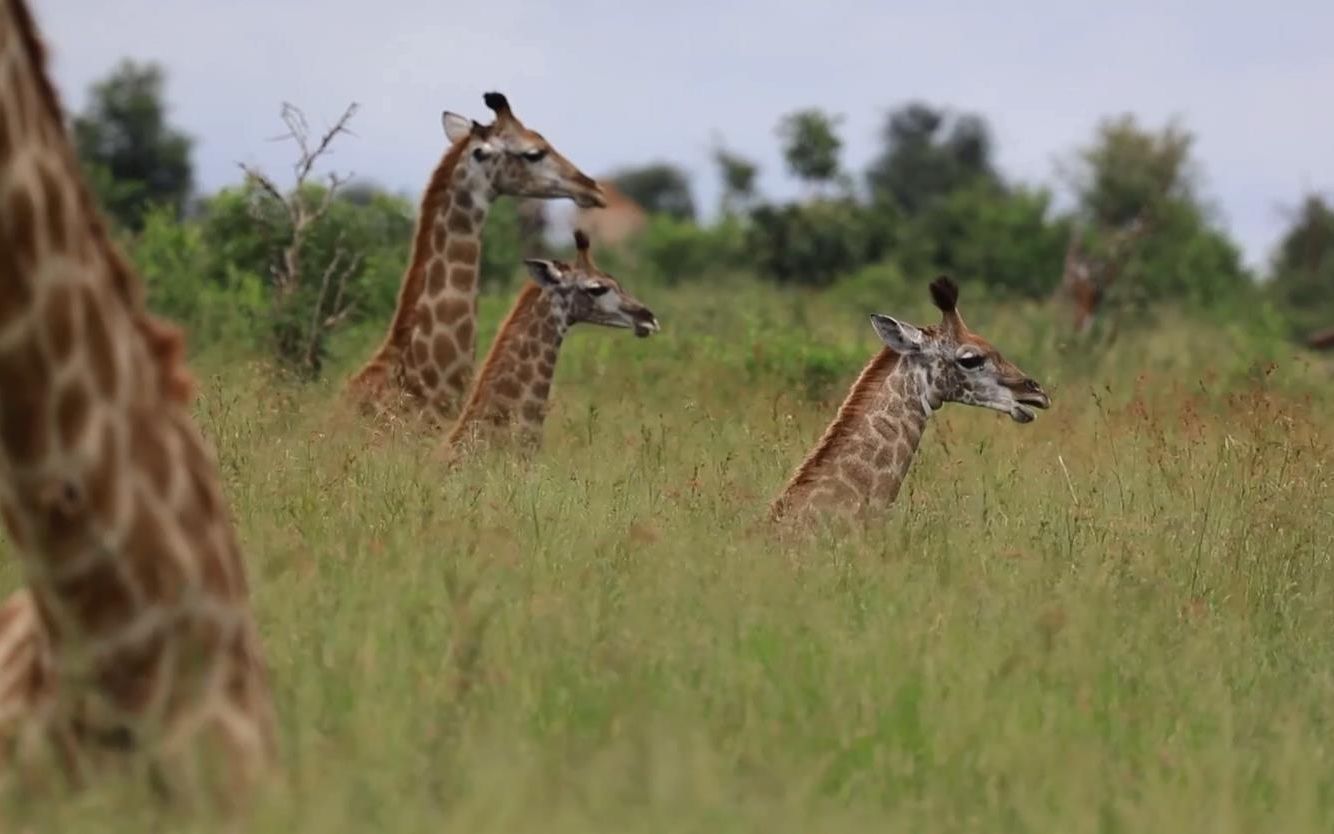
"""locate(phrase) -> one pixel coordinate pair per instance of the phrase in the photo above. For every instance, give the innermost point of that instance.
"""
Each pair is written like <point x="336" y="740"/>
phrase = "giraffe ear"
<point x="457" y="128"/>
<point x="545" y="273"/>
<point x="900" y="336"/>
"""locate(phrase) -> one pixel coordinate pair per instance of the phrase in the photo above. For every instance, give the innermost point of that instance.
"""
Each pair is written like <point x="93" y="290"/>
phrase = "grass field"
<point x="1119" y="618"/>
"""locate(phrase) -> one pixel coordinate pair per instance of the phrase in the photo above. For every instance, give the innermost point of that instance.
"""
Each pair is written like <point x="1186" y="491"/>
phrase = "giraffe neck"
<point x="107" y="492"/>
<point x="864" y="455"/>
<point x="434" y="334"/>
<point x="513" y="386"/>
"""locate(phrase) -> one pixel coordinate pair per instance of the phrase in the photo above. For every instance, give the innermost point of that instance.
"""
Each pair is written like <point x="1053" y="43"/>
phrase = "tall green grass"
<point x="1119" y="618"/>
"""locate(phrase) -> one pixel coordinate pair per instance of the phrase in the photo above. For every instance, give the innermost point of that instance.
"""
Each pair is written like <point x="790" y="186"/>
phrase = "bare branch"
<point x="329" y="306"/>
<point x="310" y="157"/>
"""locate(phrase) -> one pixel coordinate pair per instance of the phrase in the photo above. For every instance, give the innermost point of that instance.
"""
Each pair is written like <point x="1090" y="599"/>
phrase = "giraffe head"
<point x="517" y="161"/>
<point x="589" y="294"/>
<point x="957" y="364"/>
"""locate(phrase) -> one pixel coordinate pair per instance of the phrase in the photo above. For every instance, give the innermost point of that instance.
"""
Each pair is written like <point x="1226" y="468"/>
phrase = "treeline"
<point x="279" y="267"/>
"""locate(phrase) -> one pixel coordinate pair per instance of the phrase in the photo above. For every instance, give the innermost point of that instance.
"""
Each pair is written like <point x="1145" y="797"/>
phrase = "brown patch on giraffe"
<point x="438" y="236"/>
<point x="885" y="427"/>
<point x="525" y="373"/>
<point x="859" y="475"/>
<point x="549" y="357"/>
<point x="542" y="388"/>
<point x="73" y="409"/>
<point x="507" y="388"/>
<point x="22" y="217"/>
<point x="435" y="278"/>
<point x="60" y="311"/>
<point x="533" y="411"/>
<point x="149" y="558"/>
<point x="238" y="651"/>
<point x="457" y="379"/>
<point x="443" y="351"/>
<point x="463" y="251"/>
<point x="450" y="310"/>
<point x="215" y="569"/>
<point x="132" y="675"/>
<point x="149" y="452"/>
<point x="459" y="222"/>
<point x="98" y="598"/>
<point x="463" y="199"/>
<point x="884" y="457"/>
<point x="462" y="277"/>
<point x="54" y="201"/>
<point x="464" y="333"/>
<point x="420" y="351"/>
<point x="430" y="378"/>
<point x="102" y="482"/>
<point x="6" y="144"/>
<point x="98" y="345"/>
<point x="24" y="428"/>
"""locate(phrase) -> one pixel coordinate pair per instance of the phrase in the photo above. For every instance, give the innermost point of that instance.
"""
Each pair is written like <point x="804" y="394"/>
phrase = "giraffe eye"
<point x="597" y="289"/>
<point x="535" y="155"/>
<point x="972" y="361"/>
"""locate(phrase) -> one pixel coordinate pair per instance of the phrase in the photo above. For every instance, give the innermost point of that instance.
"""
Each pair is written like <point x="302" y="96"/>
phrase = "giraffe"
<point x="1085" y="280"/>
<point x="510" y="396"/>
<point x="861" y="461"/>
<point x="426" y="361"/>
<point x="135" y="622"/>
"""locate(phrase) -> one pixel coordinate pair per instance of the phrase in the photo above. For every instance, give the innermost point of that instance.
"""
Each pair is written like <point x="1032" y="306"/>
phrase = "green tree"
<point x="811" y="145"/>
<point x="738" y="176"/>
<point x="1131" y="174"/>
<point x="1005" y="239"/>
<point x="815" y="243"/>
<point x="928" y="154"/>
<point x="1302" y="283"/>
<point x="135" y="159"/>
<point x="659" y="187"/>
<point x="1128" y="171"/>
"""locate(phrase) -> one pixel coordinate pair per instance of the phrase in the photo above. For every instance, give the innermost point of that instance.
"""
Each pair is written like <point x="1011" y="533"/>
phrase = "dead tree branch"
<point x="301" y="216"/>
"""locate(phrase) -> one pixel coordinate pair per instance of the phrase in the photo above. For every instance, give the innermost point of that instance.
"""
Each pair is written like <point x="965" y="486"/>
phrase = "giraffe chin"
<point x="1022" y="414"/>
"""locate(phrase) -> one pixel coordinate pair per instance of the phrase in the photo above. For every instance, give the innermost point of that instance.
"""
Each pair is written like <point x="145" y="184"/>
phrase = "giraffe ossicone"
<point x="861" y="460"/>
<point x="509" y="399"/>
<point x="425" y="364"/>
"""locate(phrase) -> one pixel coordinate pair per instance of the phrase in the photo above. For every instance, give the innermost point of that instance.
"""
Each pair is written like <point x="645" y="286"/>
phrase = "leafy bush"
<point x="813" y="244"/>
<point x="218" y="302"/>
<point x="1003" y="238"/>
<point x="676" y="251"/>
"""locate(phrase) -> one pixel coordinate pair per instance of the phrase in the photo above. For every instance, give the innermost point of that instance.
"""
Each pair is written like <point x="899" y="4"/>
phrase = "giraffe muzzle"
<point x="645" y="323"/>
<point x="1028" y="395"/>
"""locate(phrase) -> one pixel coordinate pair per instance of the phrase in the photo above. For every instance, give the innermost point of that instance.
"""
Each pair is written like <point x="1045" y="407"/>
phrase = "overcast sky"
<point x="618" y="82"/>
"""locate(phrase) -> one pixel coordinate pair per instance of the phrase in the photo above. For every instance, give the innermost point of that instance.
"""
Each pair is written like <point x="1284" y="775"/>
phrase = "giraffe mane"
<point x="165" y="342"/>
<point x="437" y="190"/>
<point x="36" y="52"/>
<point x="854" y="407"/>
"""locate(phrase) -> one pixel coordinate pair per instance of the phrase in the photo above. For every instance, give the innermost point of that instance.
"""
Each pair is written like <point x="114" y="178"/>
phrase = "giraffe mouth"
<point x="645" y="325"/>
<point x="1026" y="402"/>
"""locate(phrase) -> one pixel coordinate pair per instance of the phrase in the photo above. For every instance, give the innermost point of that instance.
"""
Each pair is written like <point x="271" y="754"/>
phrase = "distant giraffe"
<point x="510" y="397"/>
<point x="1085" y="280"/>
<point x="427" y="359"/>
<point x="134" y="633"/>
<point x="861" y="461"/>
